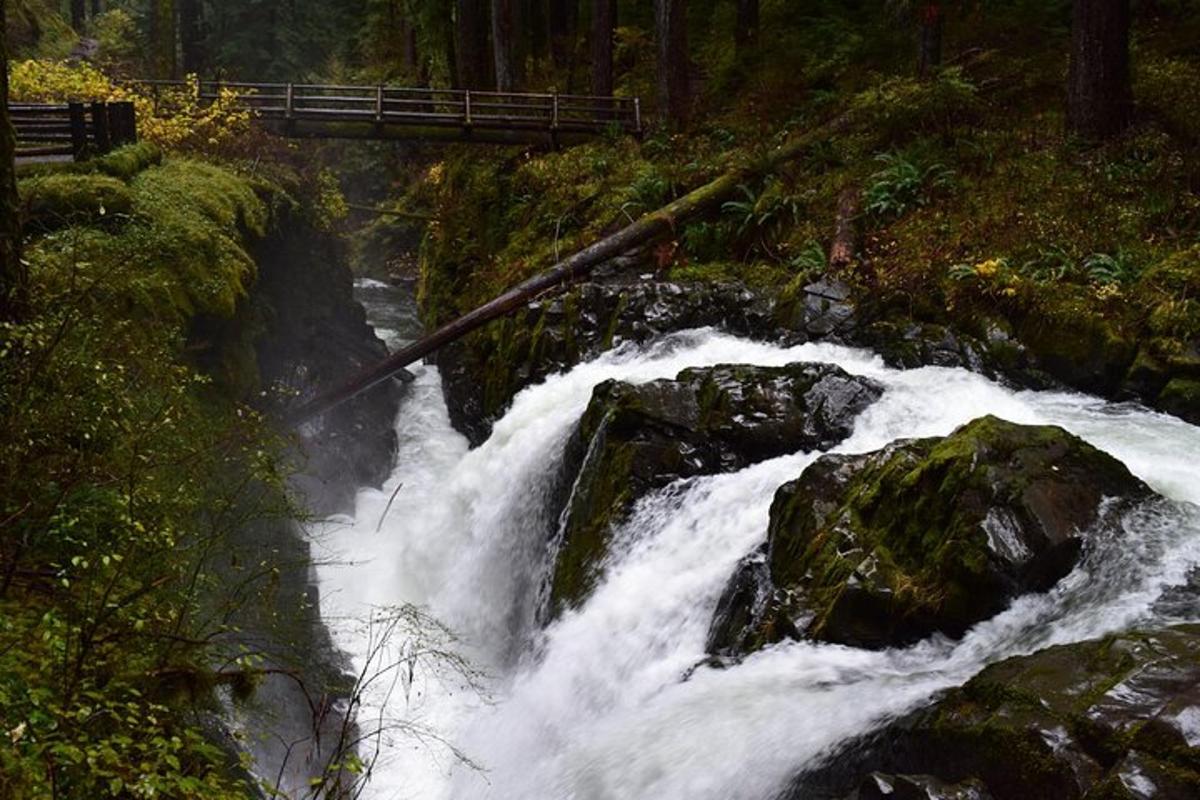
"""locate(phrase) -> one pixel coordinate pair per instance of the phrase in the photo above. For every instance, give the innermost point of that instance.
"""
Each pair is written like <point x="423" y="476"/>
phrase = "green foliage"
<point x="764" y="210"/>
<point x="903" y="184"/>
<point x="1118" y="267"/>
<point x="54" y="201"/>
<point x="897" y="108"/>
<point x="124" y="474"/>
<point x="811" y="258"/>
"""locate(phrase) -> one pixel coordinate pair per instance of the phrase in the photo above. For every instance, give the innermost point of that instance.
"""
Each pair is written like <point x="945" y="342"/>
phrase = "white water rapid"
<point x="595" y="706"/>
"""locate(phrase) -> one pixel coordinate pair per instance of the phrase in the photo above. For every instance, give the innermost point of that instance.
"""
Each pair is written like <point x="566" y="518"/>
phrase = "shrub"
<point x="174" y="120"/>
<point x="903" y="184"/>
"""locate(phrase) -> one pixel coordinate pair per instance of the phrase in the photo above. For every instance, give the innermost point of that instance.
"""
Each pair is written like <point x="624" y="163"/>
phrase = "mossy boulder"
<point x="57" y="201"/>
<point x="1117" y="717"/>
<point x="636" y="438"/>
<point x="935" y="535"/>
<point x="1181" y="397"/>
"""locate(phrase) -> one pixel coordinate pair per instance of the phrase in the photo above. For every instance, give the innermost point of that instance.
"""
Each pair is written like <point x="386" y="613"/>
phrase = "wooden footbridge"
<point x="331" y="111"/>
<point x="344" y="111"/>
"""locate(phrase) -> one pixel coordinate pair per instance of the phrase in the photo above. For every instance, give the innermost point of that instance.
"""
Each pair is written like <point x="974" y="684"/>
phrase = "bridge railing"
<point x="72" y="129"/>
<point x="569" y="113"/>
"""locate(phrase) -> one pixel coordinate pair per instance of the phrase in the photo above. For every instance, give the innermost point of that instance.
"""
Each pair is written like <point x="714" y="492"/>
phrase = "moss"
<point x="56" y="201"/>
<point x="1181" y="396"/>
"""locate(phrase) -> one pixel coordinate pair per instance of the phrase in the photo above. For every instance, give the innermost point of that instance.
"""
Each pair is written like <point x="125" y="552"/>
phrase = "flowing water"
<point x="596" y="706"/>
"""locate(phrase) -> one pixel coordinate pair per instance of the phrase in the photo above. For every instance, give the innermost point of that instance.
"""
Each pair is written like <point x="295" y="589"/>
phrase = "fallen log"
<point x="845" y="235"/>
<point x="663" y="222"/>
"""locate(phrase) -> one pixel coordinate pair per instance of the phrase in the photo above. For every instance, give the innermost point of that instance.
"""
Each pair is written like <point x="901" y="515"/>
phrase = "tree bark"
<point x="503" y="45"/>
<point x="670" y="18"/>
<point x="191" y="34"/>
<point x="97" y="8"/>
<point x="162" y="38"/>
<point x="14" y="277"/>
<point x="471" y="44"/>
<point x="78" y="15"/>
<point x="745" y="35"/>
<point x="931" y="20"/>
<point x="845" y="234"/>
<point x="1099" y="95"/>
<point x="604" y="22"/>
<point x="563" y="21"/>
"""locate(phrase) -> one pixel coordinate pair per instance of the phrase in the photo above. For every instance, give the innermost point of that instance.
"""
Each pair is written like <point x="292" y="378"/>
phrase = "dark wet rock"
<point x="825" y="308"/>
<point x="482" y="373"/>
<point x="935" y="535"/>
<point x="636" y="438"/>
<point x="1112" y="718"/>
<point x="748" y="616"/>
<point x="313" y="334"/>
<point x="880" y="786"/>
<point x="1181" y="397"/>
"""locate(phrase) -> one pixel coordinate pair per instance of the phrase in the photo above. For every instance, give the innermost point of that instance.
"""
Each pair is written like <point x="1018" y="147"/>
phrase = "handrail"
<point x="72" y="129"/>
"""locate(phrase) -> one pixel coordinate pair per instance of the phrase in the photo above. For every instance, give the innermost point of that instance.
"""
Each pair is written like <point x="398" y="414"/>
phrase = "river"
<point x="596" y="706"/>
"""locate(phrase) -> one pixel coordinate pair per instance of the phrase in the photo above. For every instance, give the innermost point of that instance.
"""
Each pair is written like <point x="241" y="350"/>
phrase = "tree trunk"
<point x="604" y="22"/>
<point x="191" y="34"/>
<point x="564" y="23"/>
<point x="14" y="277"/>
<point x="670" y="18"/>
<point x="78" y="15"/>
<point x="471" y="44"/>
<point x="97" y="8"/>
<point x="411" y="54"/>
<point x="745" y="35"/>
<point x="1099" y="96"/>
<point x="503" y="46"/>
<point x="931" y="18"/>
<point x="162" y="38"/>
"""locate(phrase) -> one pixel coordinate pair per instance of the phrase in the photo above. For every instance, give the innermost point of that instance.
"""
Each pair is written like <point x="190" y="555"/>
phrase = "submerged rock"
<point x="636" y="438"/>
<point x="931" y="535"/>
<point x="880" y="786"/>
<point x="1113" y="718"/>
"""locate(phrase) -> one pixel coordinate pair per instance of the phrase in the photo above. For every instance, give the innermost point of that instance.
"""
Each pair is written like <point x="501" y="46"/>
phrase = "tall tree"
<point x="604" y="22"/>
<point x="471" y="43"/>
<point x="1099" y="96"/>
<point x="670" y="23"/>
<point x="14" y="277"/>
<point x="504" y="45"/>
<point x="563" y="21"/>
<point x="162" y="38"/>
<point x="931" y="22"/>
<point x="78" y="14"/>
<point x="97" y="7"/>
<point x="191" y="35"/>
<point x="745" y="34"/>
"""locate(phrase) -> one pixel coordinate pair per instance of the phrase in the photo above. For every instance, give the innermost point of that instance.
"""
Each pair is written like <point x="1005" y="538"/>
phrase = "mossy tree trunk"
<point x="471" y="43"/>
<point x="13" y="274"/>
<point x="504" y="30"/>
<point x="931" y="19"/>
<point x="162" y="38"/>
<point x="191" y="35"/>
<point x="745" y="34"/>
<point x="563" y="21"/>
<point x="1099" y="96"/>
<point x="670" y="18"/>
<point x="604" y="22"/>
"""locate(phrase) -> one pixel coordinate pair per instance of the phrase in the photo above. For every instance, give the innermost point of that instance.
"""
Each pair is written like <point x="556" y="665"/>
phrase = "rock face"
<point x="636" y="438"/>
<point x="482" y="373"/>
<point x="1113" y="718"/>
<point x="927" y="535"/>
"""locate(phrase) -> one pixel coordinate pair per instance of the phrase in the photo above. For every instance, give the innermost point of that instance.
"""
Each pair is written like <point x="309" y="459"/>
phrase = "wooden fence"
<point x="325" y="110"/>
<point x="72" y="129"/>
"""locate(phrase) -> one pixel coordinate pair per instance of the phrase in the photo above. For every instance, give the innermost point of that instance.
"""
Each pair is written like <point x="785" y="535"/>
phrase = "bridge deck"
<point x="392" y="112"/>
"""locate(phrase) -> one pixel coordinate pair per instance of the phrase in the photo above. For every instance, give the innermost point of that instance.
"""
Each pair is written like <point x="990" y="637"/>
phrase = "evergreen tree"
<point x="604" y="20"/>
<point x="1099" y="96"/>
<point x="13" y="274"/>
<point x="671" y="31"/>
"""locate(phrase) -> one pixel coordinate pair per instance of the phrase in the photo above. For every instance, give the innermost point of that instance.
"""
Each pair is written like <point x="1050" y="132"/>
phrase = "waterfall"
<point x="607" y="702"/>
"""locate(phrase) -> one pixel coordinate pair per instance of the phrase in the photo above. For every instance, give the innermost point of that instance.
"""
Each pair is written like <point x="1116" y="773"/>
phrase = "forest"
<point x="613" y="399"/>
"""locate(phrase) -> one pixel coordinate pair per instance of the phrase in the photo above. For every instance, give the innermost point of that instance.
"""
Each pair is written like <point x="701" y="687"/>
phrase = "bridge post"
<point x="637" y="116"/>
<point x="379" y="103"/>
<point x="289" y="110"/>
<point x="78" y="129"/>
<point x="467" y="110"/>
<point x="100" y="127"/>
